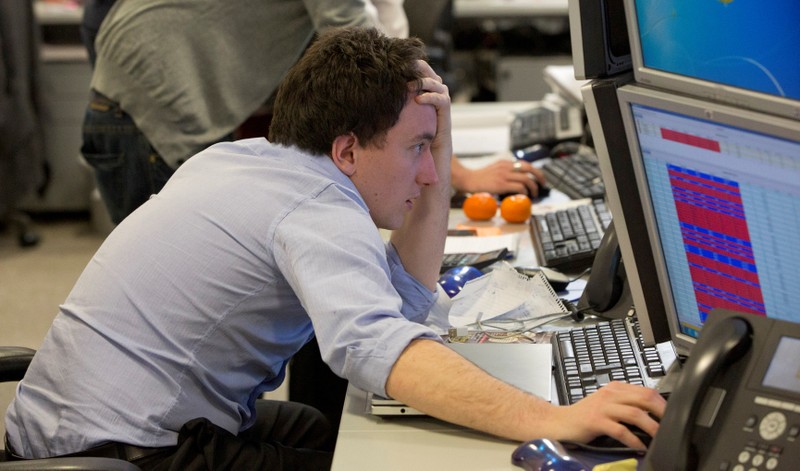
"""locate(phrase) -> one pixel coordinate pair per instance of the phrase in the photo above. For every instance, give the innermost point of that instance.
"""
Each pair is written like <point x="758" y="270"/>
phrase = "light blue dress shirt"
<point x="194" y="304"/>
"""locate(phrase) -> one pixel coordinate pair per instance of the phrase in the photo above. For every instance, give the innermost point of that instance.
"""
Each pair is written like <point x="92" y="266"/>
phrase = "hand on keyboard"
<point x="616" y="411"/>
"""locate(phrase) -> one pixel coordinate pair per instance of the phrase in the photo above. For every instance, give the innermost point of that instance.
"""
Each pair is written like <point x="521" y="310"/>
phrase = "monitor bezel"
<point x="753" y="100"/>
<point x="590" y="38"/>
<point x="612" y="149"/>
<point x="722" y="113"/>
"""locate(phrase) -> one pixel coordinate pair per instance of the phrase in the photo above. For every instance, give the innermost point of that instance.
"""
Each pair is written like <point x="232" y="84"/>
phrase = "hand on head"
<point x="433" y="91"/>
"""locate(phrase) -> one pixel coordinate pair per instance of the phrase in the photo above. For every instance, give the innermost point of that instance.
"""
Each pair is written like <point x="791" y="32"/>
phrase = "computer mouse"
<point x="542" y="192"/>
<point x="454" y="279"/>
<point x="545" y="455"/>
<point x="606" y="442"/>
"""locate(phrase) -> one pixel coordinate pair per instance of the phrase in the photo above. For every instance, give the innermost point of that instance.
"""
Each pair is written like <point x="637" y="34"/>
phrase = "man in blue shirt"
<point x="193" y="305"/>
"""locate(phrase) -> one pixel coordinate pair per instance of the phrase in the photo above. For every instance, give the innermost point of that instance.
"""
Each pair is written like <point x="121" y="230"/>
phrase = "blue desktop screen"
<point x="749" y="44"/>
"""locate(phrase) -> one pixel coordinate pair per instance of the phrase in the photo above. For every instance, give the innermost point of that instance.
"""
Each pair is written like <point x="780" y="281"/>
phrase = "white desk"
<point x="413" y="443"/>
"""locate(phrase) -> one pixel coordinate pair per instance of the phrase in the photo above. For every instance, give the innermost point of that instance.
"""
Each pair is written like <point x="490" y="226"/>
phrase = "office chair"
<point x="14" y="362"/>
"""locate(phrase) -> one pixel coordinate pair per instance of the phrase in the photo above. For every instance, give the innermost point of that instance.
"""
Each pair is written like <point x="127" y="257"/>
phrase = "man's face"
<point x="390" y="178"/>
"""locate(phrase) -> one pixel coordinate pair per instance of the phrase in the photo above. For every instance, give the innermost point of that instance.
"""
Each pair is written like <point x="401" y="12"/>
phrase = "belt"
<point x="100" y="102"/>
<point x="116" y="450"/>
<point x="95" y="95"/>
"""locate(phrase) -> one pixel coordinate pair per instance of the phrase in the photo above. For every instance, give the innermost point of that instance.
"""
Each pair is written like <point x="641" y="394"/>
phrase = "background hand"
<point x="500" y="177"/>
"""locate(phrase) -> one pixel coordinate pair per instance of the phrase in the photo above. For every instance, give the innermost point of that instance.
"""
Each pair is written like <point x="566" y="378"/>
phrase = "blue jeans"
<point x="128" y="170"/>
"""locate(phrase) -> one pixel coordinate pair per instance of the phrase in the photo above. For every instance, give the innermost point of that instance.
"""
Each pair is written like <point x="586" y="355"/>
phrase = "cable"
<point x="519" y="326"/>
<point x="580" y="275"/>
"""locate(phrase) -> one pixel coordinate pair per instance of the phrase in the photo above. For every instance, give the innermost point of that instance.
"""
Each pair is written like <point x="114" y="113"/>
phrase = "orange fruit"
<point x="480" y="206"/>
<point x="516" y="208"/>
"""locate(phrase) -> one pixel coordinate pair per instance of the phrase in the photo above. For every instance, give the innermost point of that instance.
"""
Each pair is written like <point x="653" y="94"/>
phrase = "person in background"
<point x="171" y="78"/>
<point x="193" y="305"/>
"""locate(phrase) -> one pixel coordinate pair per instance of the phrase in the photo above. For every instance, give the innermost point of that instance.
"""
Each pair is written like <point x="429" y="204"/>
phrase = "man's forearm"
<point x="434" y="379"/>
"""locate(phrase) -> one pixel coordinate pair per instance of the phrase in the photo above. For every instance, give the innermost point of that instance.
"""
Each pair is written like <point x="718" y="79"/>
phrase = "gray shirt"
<point x="190" y="71"/>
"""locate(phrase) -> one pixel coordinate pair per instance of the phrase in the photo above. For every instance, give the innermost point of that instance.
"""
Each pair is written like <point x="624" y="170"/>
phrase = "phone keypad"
<point x="754" y="456"/>
<point x="774" y="430"/>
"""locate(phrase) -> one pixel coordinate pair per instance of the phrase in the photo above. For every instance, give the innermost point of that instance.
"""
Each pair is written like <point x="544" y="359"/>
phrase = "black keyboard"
<point x="587" y="358"/>
<point x="567" y="239"/>
<point x="576" y="175"/>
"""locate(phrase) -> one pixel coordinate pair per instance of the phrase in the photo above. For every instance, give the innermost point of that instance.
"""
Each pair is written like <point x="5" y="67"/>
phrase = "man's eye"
<point x="420" y="147"/>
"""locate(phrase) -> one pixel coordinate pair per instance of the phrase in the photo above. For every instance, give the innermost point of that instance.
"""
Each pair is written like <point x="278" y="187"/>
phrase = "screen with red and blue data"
<point x="725" y="200"/>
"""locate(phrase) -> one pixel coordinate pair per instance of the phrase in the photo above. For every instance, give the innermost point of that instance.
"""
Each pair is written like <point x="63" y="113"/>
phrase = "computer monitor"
<point x="599" y="38"/>
<point x="719" y="187"/>
<point x="622" y="197"/>
<point x="739" y="52"/>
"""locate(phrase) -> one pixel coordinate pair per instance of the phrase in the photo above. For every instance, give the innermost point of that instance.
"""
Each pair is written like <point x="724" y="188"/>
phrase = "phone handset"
<point x="605" y="283"/>
<point x="720" y="345"/>
<point x="607" y="293"/>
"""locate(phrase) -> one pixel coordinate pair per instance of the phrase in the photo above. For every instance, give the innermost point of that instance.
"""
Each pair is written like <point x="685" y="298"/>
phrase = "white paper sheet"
<point x="504" y="293"/>
<point x="481" y="244"/>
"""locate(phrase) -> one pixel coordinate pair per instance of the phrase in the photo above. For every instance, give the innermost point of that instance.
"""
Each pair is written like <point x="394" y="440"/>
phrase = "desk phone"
<point x="737" y="401"/>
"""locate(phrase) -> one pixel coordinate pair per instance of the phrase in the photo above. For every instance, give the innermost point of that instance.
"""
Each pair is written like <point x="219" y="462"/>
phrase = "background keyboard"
<point x="576" y="175"/>
<point x="567" y="239"/>
<point x="587" y="358"/>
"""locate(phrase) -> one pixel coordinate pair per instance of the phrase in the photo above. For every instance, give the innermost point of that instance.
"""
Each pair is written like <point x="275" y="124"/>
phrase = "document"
<point x="505" y="293"/>
<point x="481" y="244"/>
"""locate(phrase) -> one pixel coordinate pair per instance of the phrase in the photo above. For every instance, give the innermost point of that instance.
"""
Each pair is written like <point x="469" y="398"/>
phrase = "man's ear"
<point x="343" y="153"/>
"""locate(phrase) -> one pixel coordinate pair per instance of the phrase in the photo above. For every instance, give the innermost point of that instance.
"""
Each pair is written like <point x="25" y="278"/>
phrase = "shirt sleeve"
<point x="417" y="298"/>
<point x="364" y="306"/>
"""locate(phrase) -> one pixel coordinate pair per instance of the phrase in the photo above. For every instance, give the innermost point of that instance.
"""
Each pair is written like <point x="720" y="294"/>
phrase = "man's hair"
<point x="350" y="80"/>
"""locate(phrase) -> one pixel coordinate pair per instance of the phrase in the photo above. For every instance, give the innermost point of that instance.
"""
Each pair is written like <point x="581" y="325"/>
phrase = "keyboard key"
<point x="576" y="175"/>
<point x="589" y="357"/>
<point x="567" y="239"/>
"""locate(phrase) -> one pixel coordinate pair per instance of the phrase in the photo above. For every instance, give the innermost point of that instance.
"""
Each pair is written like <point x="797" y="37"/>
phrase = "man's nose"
<point x="427" y="171"/>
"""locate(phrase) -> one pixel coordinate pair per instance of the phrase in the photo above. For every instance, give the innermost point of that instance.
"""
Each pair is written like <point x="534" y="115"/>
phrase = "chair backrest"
<point x="14" y="362"/>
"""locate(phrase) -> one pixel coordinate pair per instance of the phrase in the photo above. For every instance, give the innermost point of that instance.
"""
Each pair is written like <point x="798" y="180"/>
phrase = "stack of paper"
<point x="504" y="293"/>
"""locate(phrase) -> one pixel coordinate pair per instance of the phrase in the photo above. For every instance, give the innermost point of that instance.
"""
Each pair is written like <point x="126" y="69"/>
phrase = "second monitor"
<point x="719" y="187"/>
